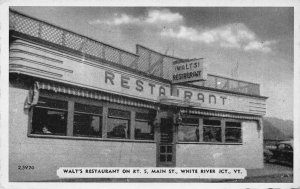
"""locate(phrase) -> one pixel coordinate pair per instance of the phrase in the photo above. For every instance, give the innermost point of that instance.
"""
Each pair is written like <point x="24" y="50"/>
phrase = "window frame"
<point x="71" y="100"/>
<point x="143" y="120"/>
<point x="222" y="126"/>
<point x="189" y="125"/>
<point x="212" y="126"/>
<point x="31" y="111"/>
<point x="121" y="118"/>
<point x="240" y="128"/>
<point x="91" y="114"/>
<point x="107" y="105"/>
<point x="128" y="132"/>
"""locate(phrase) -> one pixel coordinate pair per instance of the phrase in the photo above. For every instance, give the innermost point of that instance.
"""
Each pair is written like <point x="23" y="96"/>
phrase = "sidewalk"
<point x="270" y="169"/>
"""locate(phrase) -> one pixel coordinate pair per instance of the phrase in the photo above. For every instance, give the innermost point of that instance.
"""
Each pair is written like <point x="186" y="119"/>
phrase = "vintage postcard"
<point x="105" y="93"/>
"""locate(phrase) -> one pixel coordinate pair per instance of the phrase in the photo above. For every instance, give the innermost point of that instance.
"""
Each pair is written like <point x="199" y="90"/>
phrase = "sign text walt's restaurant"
<point x="75" y="101"/>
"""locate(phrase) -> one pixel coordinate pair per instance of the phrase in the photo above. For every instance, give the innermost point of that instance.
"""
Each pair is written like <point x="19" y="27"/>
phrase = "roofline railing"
<point x="57" y="35"/>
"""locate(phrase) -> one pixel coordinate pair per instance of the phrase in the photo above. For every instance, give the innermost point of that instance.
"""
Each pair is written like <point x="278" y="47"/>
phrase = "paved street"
<point x="271" y="169"/>
<point x="271" y="173"/>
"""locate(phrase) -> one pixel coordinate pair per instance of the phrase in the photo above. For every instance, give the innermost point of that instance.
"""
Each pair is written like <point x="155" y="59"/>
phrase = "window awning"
<point x="98" y="95"/>
<point x="177" y="101"/>
<point x="86" y="93"/>
<point x="219" y="114"/>
<point x="189" y="107"/>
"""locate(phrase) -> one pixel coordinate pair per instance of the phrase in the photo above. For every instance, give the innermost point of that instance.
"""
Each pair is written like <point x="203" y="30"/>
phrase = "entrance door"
<point x="166" y="147"/>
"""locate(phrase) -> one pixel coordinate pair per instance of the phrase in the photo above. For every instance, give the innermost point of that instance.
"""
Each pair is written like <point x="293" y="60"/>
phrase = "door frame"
<point x="173" y="144"/>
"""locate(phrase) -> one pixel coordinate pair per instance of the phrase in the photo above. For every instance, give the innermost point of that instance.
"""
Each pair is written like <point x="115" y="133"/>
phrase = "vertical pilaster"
<point x="132" y="125"/>
<point x="30" y="115"/>
<point x="157" y="127"/>
<point x="260" y="128"/>
<point x="223" y="130"/>
<point x="70" y="118"/>
<point x="200" y="127"/>
<point x="104" y="122"/>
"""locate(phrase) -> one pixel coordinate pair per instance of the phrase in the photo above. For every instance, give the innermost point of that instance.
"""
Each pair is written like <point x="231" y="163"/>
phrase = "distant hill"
<point x="278" y="129"/>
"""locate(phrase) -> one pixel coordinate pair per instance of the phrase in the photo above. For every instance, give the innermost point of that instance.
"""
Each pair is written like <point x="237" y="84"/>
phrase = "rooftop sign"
<point x="188" y="71"/>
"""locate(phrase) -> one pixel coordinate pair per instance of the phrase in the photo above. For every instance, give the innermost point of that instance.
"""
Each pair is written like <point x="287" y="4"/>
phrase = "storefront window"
<point x="87" y="120"/>
<point x="144" y="130"/>
<point x="188" y="131"/>
<point x="49" y="117"/>
<point x="212" y="130"/>
<point x="233" y="132"/>
<point x="118" y="124"/>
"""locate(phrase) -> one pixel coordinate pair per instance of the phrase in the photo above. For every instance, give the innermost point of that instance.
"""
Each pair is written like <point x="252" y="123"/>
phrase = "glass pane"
<point x="233" y="135"/>
<point x="211" y="122"/>
<point x="117" y="128"/>
<point x="88" y="108"/>
<point x="142" y="116"/>
<point x="188" y="133"/>
<point x="169" y="157"/>
<point x="87" y="125"/>
<point x="119" y="113"/>
<point x="162" y="158"/>
<point x="233" y="124"/>
<point x="169" y="149"/>
<point x="143" y="130"/>
<point x="51" y="103"/>
<point x="212" y="134"/>
<point x="162" y="149"/>
<point x="49" y="122"/>
<point x="192" y="121"/>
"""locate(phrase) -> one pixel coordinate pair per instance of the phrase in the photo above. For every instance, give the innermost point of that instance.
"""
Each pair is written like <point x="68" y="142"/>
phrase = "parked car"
<point x="283" y="153"/>
<point x="267" y="154"/>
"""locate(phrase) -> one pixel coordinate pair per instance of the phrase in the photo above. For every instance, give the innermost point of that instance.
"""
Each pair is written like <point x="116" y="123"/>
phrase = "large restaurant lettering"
<point x="206" y="98"/>
<point x="110" y="78"/>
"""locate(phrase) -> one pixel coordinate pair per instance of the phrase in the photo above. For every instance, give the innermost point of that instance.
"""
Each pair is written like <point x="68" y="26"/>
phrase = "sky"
<point x="259" y="40"/>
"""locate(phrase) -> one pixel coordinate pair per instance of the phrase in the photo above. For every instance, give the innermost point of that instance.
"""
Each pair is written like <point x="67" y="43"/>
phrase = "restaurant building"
<point x="78" y="102"/>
